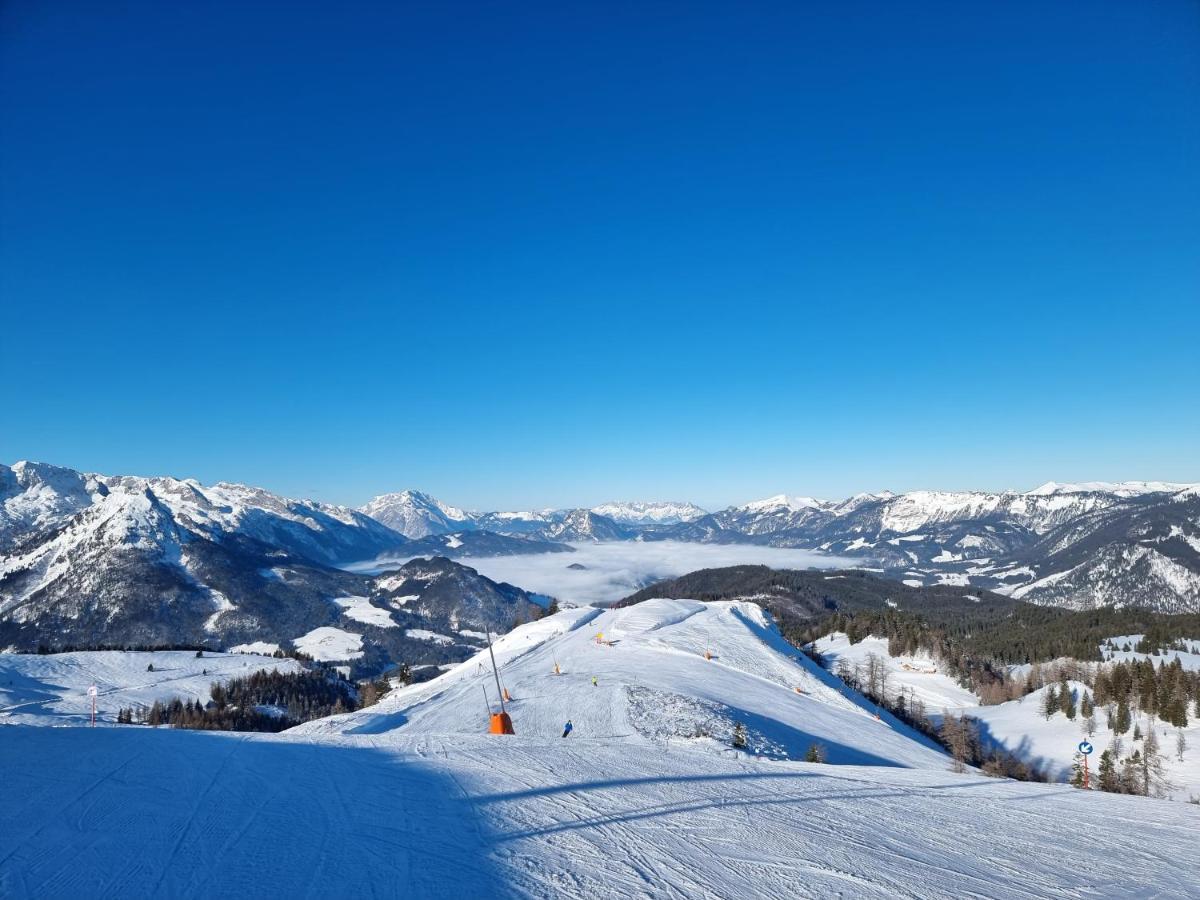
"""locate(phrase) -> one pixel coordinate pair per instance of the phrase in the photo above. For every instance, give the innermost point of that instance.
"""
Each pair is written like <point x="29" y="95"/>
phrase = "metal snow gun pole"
<point x="501" y="722"/>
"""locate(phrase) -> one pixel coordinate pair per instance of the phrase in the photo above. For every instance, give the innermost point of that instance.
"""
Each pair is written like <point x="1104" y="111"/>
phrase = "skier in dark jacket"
<point x="567" y="728"/>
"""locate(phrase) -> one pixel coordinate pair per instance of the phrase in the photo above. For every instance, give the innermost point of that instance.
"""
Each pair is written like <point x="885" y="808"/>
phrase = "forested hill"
<point x="947" y="620"/>
<point x="808" y="594"/>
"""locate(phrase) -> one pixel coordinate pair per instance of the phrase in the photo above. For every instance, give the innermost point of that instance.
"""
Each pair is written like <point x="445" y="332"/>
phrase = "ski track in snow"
<point x="139" y="812"/>
<point x="409" y="799"/>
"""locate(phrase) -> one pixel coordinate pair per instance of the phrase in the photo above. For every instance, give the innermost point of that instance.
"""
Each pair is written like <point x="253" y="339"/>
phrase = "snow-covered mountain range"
<point x="1078" y="545"/>
<point x="88" y="559"/>
<point x="163" y="560"/>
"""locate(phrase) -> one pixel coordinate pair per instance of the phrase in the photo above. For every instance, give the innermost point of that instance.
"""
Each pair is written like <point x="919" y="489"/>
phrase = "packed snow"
<point x="51" y="689"/>
<point x="645" y="798"/>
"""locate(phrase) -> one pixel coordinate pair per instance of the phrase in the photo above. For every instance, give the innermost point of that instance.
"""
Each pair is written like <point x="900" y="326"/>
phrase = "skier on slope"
<point x="594" y="684"/>
<point x="567" y="728"/>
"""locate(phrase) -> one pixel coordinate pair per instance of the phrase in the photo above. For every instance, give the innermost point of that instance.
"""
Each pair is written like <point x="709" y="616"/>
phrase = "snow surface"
<point x="360" y="610"/>
<point x="659" y="646"/>
<point x="1018" y="725"/>
<point x="1189" y="658"/>
<point x="328" y="644"/>
<point x="920" y="674"/>
<point x="51" y="689"/>
<point x="410" y="799"/>
<point x="132" y="812"/>
<point x="264" y="648"/>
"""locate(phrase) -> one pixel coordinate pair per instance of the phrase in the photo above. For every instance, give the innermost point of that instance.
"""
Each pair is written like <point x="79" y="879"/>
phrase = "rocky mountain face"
<point x="91" y="559"/>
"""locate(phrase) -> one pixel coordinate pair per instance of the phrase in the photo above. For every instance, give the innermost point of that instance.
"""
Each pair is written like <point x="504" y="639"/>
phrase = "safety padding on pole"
<point x="501" y="724"/>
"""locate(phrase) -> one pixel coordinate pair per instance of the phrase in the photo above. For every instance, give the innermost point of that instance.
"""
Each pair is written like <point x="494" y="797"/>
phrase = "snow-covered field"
<point x="140" y="812"/>
<point x="410" y="798"/>
<point x="1189" y="657"/>
<point x="615" y="569"/>
<point x="1019" y="725"/>
<point x="329" y="644"/>
<point x="52" y="689"/>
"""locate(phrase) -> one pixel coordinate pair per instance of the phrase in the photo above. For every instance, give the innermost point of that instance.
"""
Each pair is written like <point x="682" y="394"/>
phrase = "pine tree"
<point x="1123" y="719"/>
<point x="1050" y="702"/>
<point x="1068" y="700"/>
<point x="1107" y="776"/>
<point x="1131" y="774"/>
<point x="739" y="737"/>
<point x="815" y="754"/>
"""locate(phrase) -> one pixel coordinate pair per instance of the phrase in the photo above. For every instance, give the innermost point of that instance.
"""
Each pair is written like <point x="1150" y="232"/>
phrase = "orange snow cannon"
<point x="501" y="724"/>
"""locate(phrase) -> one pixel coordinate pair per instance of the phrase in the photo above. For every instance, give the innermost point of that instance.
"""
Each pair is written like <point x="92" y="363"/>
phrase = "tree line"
<point x="267" y="701"/>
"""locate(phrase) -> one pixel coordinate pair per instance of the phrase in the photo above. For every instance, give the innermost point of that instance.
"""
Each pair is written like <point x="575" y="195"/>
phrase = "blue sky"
<point x="520" y="254"/>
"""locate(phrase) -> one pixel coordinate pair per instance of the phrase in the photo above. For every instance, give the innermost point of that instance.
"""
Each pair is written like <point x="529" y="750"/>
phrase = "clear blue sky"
<point x="520" y="254"/>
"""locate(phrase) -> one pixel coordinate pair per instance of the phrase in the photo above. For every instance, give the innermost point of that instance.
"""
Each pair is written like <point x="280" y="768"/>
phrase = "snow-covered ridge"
<point x="1120" y="488"/>
<point x="722" y="662"/>
<point x="650" y="513"/>
<point x="781" y="502"/>
<point x="37" y="496"/>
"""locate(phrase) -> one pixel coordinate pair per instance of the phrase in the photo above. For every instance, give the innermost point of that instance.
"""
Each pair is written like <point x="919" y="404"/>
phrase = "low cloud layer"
<point x="617" y="569"/>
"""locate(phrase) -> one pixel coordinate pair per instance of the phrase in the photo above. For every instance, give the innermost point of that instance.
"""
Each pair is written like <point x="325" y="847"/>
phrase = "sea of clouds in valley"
<point x="616" y="569"/>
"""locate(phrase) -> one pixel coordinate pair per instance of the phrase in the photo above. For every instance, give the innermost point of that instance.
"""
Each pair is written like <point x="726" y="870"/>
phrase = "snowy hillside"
<point x="653" y="683"/>
<point x="645" y="798"/>
<point x="1020" y="726"/>
<point x="52" y="689"/>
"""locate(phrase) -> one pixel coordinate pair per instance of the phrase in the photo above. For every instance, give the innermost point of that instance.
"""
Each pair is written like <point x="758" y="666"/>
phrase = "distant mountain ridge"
<point x="90" y="559"/>
<point x="1077" y="545"/>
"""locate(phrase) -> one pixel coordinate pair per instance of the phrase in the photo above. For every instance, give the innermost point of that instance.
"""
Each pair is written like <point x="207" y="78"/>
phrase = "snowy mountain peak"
<point x="416" y="515"/>
<point x="651" y="513"/>
<point x="782" y="502"/>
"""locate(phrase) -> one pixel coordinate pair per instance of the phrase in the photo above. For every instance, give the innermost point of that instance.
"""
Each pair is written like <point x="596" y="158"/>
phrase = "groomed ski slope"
<point x="135" y="812"/>
<point x="653" y="683"/>
<point x="411" y="799"/>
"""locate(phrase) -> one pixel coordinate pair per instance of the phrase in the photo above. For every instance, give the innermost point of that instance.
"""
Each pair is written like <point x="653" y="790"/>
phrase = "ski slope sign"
<point x="1085" y="747"/>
